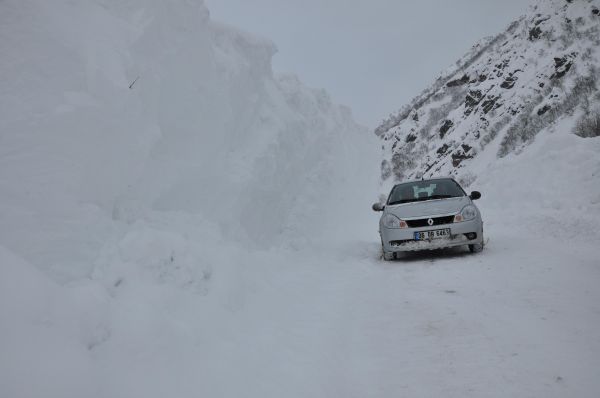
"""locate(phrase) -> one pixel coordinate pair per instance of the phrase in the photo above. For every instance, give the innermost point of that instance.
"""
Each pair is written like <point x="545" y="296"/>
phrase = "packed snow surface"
<point x="177" y="220"/>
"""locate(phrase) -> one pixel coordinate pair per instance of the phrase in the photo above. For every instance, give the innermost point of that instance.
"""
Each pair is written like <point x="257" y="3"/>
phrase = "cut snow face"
<point x="111" y="110"/>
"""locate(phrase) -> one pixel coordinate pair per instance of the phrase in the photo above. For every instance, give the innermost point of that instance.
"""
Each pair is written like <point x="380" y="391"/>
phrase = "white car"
<point x="429" y="214"/>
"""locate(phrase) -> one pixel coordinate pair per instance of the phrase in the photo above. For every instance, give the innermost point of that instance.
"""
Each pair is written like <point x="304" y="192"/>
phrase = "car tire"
<point x="389" y="256"/>
<point x="476" y="248"/>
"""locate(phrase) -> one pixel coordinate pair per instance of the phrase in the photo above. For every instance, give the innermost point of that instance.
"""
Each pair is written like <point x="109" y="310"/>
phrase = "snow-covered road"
<point x="162" y="315"/>
<point x="519" y="319"/>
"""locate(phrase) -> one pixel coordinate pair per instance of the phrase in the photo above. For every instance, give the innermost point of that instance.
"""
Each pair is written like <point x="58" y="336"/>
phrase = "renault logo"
<point x="430" y="221"/>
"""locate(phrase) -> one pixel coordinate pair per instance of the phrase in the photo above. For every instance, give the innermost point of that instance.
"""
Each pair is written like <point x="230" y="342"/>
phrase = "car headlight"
<point x="391" y="221"/>
<point x="468" y="212"/>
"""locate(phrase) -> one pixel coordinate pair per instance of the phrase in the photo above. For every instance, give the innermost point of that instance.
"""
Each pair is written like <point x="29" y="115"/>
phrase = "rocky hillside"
<point x="500" y="95"/>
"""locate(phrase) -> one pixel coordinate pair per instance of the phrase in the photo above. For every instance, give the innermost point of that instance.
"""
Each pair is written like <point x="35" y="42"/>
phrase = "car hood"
<point x="428" y="208"/>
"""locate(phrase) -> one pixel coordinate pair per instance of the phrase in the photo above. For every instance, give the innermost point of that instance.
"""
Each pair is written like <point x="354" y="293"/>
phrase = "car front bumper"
<point x="403" y="239"/>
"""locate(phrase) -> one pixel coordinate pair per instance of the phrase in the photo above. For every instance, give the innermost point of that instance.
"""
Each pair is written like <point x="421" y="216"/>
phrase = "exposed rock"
<point x="500" y="66"/>
<point x="509" y="82"/>
<point x="489" y="104"/>
<point x="410" y="138"/>
<point x="458" y="82"/>
<point x="448" y="124"/>
<point x="558" y="62"/>
<point x="562" y="65"/>
<point x="535" y="33"/>
<point x="458" y="157"/>
<point x="443" y="149"/>
<point x="473" y="98"/>
<point x="543" y="110"/>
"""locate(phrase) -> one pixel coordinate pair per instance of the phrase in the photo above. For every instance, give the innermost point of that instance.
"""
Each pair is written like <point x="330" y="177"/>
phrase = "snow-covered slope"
<point x="498" y="97"/>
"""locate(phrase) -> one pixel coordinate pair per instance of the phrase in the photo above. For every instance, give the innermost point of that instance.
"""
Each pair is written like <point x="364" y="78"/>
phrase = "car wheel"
<point x="389" y="256"/>
<point x="476" y="248"/>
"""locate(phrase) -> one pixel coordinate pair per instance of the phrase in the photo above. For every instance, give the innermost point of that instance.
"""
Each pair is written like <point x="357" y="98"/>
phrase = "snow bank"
<point x="147" y="153"/>
<point x="113" y="109"/>
<point x="46" y="333"/>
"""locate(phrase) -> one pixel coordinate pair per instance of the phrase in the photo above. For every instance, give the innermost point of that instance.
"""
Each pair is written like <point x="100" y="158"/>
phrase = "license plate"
<point x="435" y="234"/>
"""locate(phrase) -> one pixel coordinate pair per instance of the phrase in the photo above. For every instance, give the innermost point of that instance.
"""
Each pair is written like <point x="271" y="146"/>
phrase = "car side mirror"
<point x="475" y="195"/>
<point x="378" y="207"/>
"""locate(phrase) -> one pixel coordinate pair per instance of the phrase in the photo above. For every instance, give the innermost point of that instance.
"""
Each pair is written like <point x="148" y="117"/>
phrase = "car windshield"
<point x="425" y="190"/>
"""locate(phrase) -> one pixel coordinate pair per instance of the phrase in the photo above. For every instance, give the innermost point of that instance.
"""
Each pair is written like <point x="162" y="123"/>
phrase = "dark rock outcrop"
<point x="543" y="110"/>
<point x="458" y="82"/>
<point x="448" y="124"/>
<point x="410" y="138"/>
<point x="562" y="65"/>
<point x="535" y="33"/>
<point x="458" y="157"/>
<point x="490" y="104"/>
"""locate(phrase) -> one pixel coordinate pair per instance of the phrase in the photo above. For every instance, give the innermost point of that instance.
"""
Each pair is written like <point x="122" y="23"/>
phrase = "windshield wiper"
<point x="398" y="202"/>
<point x="432" y="197"/>
<point x="441" y="197"/>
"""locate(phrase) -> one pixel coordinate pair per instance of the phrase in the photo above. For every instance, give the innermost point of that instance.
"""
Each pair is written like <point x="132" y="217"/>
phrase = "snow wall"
<point x="111" y="110"/>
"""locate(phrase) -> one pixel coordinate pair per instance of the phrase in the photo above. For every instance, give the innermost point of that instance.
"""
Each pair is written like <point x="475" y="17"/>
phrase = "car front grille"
<point x="424" y="222"/>
<point x="401" y="242"/>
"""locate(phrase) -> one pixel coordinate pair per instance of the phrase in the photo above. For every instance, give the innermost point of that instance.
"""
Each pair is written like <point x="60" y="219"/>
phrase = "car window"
<point x="425" y="190"/>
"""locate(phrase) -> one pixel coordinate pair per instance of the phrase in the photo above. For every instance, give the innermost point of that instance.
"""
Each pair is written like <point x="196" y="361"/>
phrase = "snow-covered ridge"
<point x="500" y="95"/>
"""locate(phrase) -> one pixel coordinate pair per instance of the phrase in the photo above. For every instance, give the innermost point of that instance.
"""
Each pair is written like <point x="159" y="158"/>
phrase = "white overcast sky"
<point x="373" y="56"/>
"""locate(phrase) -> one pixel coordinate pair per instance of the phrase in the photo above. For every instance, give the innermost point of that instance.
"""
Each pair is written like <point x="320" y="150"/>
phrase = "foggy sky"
<point x="373" y="56"/>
